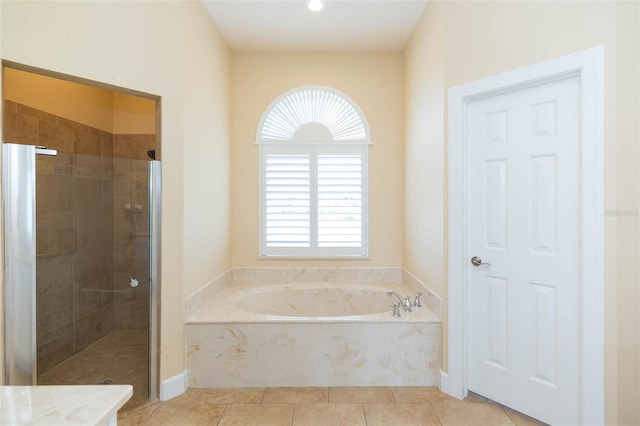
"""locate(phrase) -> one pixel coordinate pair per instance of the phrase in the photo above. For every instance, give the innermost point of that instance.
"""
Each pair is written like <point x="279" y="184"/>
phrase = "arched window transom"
<point x="313" y="114"/>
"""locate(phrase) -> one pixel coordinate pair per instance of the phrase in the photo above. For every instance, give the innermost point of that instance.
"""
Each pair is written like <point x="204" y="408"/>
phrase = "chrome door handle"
<point x="476" y="261"/>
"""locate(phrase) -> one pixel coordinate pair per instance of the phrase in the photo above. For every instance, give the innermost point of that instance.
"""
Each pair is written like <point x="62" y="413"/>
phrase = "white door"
<point x="523" y="223"/>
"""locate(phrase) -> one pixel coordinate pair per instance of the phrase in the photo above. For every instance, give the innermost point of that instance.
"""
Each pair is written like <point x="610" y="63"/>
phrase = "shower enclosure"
<point x="81" y="230"/>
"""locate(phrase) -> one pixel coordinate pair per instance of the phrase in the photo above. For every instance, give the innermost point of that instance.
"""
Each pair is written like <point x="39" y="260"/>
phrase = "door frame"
<point x="588" y="66"/>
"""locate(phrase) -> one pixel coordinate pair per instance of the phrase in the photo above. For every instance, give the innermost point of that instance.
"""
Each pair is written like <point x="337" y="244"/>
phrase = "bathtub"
<point x="311" y="334"/>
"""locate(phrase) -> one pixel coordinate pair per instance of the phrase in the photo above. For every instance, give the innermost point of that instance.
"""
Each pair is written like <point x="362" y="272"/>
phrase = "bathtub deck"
<point x="223" y="308"/>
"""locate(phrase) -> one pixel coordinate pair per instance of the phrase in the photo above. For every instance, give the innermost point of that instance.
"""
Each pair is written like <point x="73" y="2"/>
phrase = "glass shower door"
<point x="92" y="274"/>
<point x="90" y="220"/>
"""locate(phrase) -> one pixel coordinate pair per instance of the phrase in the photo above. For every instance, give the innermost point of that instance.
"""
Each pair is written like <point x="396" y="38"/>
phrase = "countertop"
<point x="62" y="405"/>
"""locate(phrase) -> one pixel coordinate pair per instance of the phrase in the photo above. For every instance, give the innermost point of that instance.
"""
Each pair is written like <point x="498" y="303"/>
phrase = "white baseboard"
<point x="173" y="386"/>
<point x="445" y="386"/>
<point x="444" y="382"/>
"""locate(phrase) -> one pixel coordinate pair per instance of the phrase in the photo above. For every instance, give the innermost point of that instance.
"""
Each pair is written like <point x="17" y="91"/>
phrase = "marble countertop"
<point x="61" y="405"/>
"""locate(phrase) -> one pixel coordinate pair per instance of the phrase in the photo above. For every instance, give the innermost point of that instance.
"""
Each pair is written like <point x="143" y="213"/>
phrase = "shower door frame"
<point x="19" y="208"/>
<point x="155" y="222"/>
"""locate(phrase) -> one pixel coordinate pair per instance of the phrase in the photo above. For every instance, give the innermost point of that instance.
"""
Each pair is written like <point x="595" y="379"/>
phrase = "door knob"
<point x="476" y="261"/>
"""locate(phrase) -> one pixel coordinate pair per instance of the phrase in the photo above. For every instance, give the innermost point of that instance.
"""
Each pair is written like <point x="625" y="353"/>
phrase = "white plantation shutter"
<point x="313" y="160"/>
<point x="287" y="201"/>
<point x="340" y="201"/>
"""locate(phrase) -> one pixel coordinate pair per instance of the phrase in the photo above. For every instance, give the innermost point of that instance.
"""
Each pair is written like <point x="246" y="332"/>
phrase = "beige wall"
<point x="627" y="305"/>
<point x="133" y="114"/>
<point x="458" y="42"/>
<point x="168" y="37"/>
<point x="206" y="140"/>
<point x="425" y="152"/>
<point x="374" y="82"/>
<point x="88" y="105"/>
<point x="103" y="109"/>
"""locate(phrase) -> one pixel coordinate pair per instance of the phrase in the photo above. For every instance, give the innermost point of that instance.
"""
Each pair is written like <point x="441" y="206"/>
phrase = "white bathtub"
<point x="311" y="334"/>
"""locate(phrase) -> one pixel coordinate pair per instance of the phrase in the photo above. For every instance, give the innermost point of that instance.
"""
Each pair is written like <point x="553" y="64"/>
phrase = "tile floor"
<point x="121" y="356"/>
<point x="367" y="406"/>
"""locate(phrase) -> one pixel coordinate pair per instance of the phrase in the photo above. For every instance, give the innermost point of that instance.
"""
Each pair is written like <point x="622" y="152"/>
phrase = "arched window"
<point x="313" y="175"/>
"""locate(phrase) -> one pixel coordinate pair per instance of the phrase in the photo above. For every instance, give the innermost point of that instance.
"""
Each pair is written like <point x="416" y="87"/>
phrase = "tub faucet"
<point x="404" y="300"/>
<point x="416" y="302"/>
<point x="396" y="309"/>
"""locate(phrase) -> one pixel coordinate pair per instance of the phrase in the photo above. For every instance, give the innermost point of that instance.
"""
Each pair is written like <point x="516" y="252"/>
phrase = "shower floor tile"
<point x="121" y="357"/>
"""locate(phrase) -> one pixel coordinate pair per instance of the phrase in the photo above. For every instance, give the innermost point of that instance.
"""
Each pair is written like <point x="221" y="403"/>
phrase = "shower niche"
<point x="90" y="210"/>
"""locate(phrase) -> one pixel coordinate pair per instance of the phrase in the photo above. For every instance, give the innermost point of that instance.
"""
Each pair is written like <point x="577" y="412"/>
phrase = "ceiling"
<point x="343" y="25"/>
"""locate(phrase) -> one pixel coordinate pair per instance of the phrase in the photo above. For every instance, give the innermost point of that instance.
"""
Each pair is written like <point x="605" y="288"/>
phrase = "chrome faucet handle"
<point x="407" y="304"/>
<point x="396" y="309"/>
<point x="416" y="302"/>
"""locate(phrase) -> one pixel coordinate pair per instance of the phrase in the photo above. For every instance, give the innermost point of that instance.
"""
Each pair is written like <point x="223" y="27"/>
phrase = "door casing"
<point x="588" y="65"/>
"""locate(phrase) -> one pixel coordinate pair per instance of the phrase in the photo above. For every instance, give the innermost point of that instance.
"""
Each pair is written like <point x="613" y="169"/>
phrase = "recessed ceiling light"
<point x="315" y="5"/>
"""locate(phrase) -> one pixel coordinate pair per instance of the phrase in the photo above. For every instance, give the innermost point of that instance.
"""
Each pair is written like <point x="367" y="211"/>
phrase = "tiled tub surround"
<point x="88" y="244"/>
<point x="311" y="334"/>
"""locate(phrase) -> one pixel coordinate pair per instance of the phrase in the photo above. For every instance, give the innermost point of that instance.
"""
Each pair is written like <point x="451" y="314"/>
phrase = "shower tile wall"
<point x="83" y="262"/>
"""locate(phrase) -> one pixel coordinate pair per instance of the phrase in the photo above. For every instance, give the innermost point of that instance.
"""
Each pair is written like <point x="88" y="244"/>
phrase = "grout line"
<point x="222" y="414"/>
<point x="434" y="412"/>
<point x="513" y="420"/>
<point x="508" y="416"/>
<point x="293" y="413"/>
<point x="364" y="414"/>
